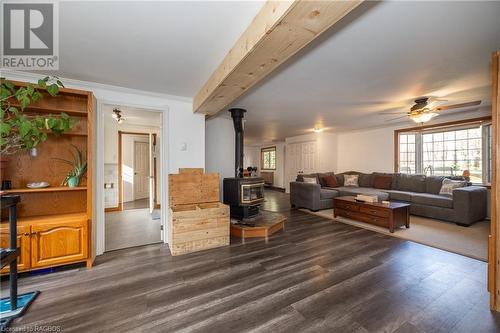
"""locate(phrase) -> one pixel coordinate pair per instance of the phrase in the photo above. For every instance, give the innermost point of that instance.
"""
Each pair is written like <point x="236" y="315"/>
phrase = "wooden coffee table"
<point x="392" y="215"/>
<point x="263" y="226"/>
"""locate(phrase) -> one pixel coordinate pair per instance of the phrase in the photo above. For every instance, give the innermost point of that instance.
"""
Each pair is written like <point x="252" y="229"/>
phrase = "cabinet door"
<point x="59" y="243"/>
<point x="23" y="243"/>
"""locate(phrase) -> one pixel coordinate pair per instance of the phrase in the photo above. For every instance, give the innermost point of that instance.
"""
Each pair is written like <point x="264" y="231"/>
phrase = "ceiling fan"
<point x="421" y="112"/>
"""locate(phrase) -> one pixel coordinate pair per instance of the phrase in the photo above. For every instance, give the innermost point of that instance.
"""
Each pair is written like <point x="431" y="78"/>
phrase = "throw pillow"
<point x="449" y="185"/>
<point x="351" y="180"/>
<point x="331" y="181"/>
<point x="382" y="182"/>
<point x="310" y="180"/>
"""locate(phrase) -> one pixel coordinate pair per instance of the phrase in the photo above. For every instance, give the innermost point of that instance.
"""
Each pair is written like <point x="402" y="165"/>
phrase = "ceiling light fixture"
<point x="423" y="117"/>
<point x="117" y="115"/>
<point x="318" y="130"/>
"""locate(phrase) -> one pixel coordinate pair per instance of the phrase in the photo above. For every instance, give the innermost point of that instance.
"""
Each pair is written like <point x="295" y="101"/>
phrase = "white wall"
<point x="219" y="145"/>
<point x="366" y="151"/>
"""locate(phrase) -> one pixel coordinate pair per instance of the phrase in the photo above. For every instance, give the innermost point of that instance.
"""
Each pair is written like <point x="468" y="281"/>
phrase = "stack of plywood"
<point x="198" y="221"/>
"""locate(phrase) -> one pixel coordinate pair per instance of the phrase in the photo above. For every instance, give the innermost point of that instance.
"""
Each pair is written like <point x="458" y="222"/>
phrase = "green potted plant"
<point x="21" y="131"/>
<point x="79" y="165"/>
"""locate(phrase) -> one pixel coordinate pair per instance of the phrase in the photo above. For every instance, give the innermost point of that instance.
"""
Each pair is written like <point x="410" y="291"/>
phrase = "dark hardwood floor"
<point x="318" y="276"/>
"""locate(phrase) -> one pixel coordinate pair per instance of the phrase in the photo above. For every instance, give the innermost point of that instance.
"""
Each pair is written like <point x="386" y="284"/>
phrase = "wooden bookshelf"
<point x="55" y="222"/>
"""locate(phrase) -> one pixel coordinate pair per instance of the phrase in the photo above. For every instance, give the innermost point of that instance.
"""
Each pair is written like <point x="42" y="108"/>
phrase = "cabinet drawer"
<point x="377" y="220"/>
<point x="374" y="211"/>
<point x="347" y="213"/>
<point x="346" y="205"/>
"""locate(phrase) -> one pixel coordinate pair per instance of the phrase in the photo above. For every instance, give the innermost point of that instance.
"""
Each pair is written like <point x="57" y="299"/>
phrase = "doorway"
<point x="131" y="172"/>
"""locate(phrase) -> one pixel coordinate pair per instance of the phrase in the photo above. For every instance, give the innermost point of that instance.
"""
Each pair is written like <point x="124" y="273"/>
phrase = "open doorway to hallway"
<point x="131" y="177"/>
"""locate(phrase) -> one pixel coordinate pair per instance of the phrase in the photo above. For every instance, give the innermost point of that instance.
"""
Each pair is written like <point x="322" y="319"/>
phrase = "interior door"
<point x="309" y="157"/>
<point x="301" y="158"/>
<point x="141" y="170"/>
<point x="293" y="163"/>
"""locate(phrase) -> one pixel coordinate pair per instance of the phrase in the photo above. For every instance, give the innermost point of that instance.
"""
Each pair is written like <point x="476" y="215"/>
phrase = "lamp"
<point x="422" y="117"/>
<point x="117" y="115"/>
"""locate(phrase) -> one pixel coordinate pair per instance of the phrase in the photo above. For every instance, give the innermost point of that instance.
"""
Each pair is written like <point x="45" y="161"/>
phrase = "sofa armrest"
<point x="470" y="204"/>
<point x="305" y="195"/>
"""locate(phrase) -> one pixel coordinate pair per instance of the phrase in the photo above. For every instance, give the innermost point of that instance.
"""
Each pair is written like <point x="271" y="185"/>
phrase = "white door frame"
<point x="163" y="161"/>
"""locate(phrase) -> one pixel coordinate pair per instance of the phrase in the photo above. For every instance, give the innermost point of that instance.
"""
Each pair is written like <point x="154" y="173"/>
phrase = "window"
<point x="268" y="158"/>
<point x="447" y="151"/>
<point x="407" y="153"/>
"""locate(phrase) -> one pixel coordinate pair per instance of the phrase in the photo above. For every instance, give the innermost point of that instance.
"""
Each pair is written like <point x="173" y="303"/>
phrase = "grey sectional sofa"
<point x="466" y="206"/>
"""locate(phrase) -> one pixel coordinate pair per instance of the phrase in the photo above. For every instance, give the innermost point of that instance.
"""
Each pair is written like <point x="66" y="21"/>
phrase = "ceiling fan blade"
<point x="396" y="118"/>
<point x="457" y="106"/>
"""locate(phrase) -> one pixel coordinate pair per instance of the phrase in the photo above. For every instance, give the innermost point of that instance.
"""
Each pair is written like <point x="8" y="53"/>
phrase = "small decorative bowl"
<point x="37" y="185"/>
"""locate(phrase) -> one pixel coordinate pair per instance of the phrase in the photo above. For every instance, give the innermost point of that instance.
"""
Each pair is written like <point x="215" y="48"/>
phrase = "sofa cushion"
<point x="327" y="194"/>
<point x="411" y="183"/>
<point x="365" y="180"/>
<point x="433" y="184"/>
<point x="449" y="185"/>
<point x="351" y="180"/>
<point x="300" y="176"/>
<point x="310" y="180"/>
<point x="353" y="191"/>
<point x="340" y="179"/>
<point x="432" y="200"/>
<point x="322" y="177"/>
<point x="382" y="182"/>
<point x="399" y="195"/>
<point x="331" y="181"/>
<point x="394" y="176"/>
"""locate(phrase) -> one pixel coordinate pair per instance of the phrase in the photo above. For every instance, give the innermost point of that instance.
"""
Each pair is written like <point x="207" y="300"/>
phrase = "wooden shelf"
<point x="70" y="134"/>
<point x="46" y="189"/>
<point x="43" y="109"/>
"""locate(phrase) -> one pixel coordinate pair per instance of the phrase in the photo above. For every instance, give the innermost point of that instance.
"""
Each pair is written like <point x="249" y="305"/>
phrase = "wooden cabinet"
<point x="55" y="244"/>
<point x="50" y="241"/>
<point x="55" y="223"/>
<point x="23" y="243"/>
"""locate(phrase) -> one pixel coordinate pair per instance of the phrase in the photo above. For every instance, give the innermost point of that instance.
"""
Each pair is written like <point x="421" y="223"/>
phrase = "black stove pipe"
<point x="237" y="115"/>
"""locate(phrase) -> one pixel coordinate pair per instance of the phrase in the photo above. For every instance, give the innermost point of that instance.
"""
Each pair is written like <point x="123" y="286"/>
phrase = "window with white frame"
<point x="407" y="153"/>
<point x="447" y="151"/>
<point x="268" y="158"/>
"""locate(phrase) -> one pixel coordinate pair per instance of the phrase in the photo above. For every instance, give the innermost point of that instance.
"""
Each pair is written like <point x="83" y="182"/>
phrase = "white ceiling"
<point x="132" y="116"/>
<point x="382" y="57"/>
<point x="170" y="47"/>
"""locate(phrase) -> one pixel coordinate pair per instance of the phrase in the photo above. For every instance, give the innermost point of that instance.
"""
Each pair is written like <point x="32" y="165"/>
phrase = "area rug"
<point x="471" y="242"/>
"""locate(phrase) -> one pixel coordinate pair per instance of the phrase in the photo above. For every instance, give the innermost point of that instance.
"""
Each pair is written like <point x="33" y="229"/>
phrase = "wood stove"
<point x="243" y="195"/>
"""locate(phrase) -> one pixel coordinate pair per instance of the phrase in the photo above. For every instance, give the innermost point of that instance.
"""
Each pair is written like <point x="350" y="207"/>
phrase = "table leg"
<point x="407" y="218"/>
<point x="391" y="223"/>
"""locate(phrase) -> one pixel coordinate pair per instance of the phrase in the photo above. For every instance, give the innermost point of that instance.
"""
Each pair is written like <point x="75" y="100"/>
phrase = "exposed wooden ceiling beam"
<point x="279" y="30"/>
